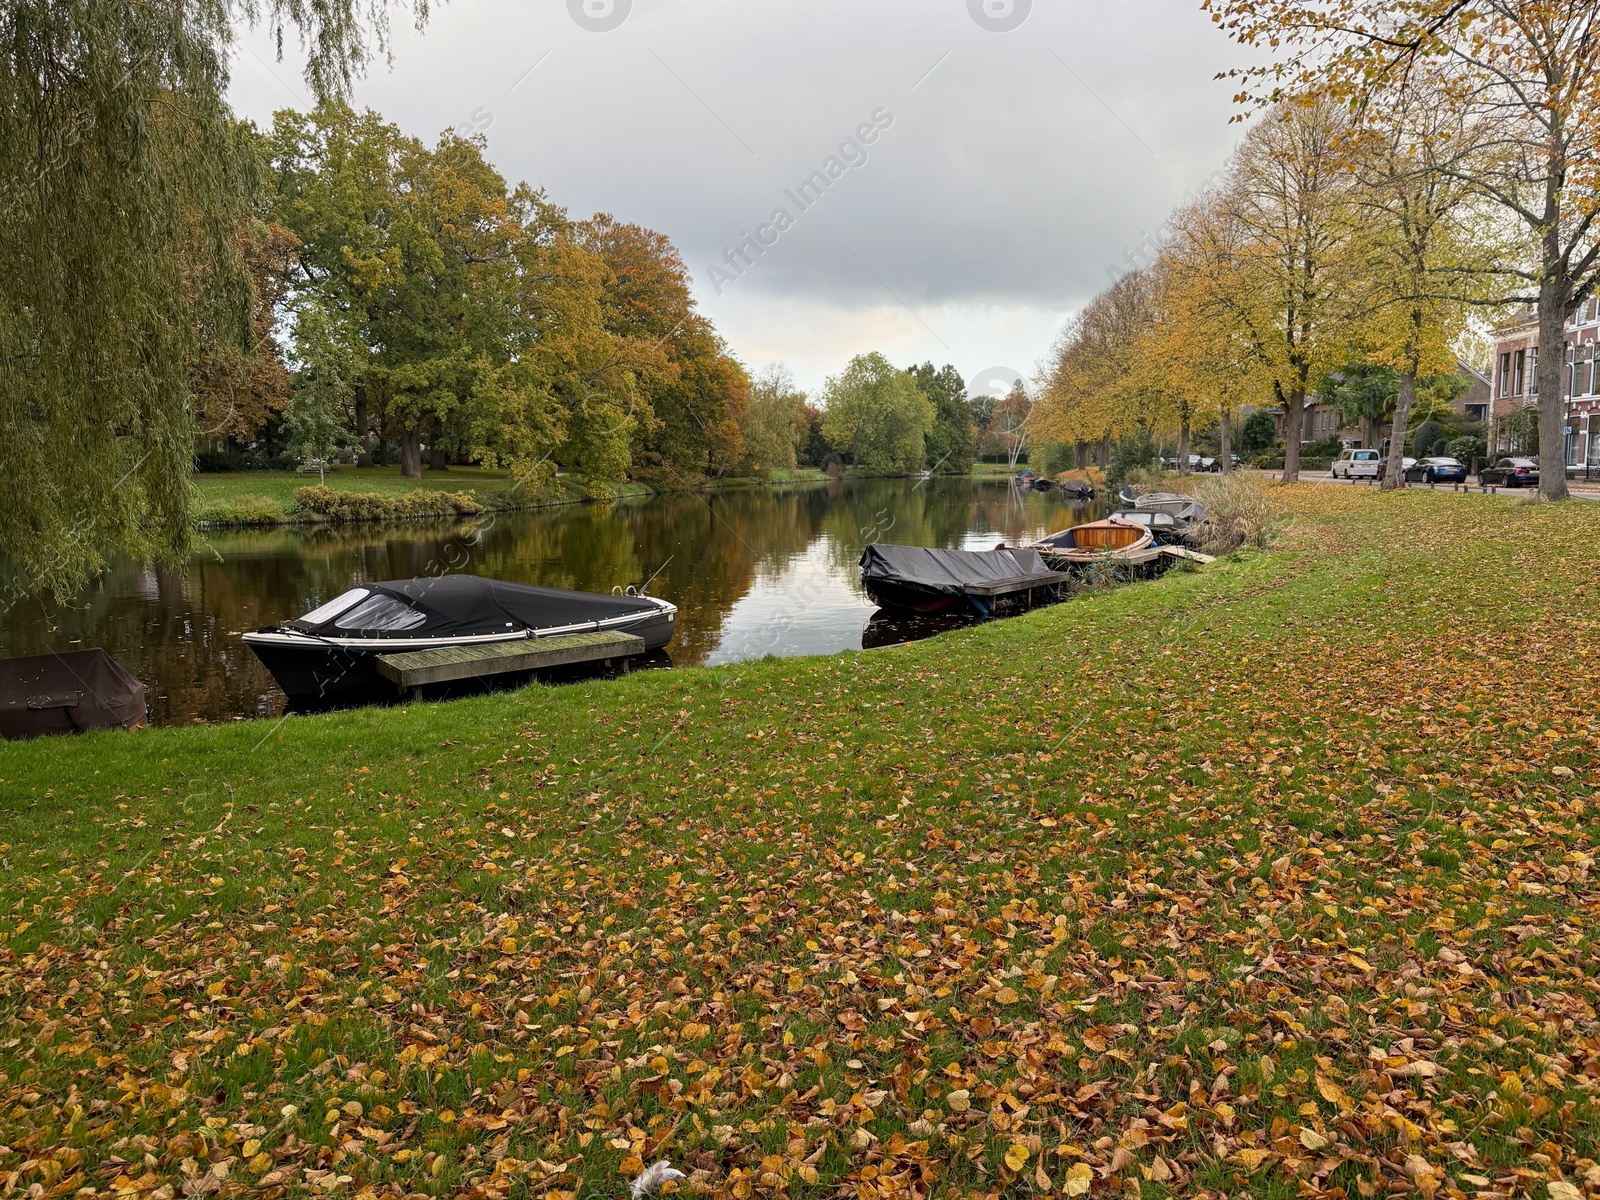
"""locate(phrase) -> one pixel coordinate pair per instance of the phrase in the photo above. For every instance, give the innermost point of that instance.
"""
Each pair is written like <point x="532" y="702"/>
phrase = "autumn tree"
<point x="1286" y="205"/>
<point x="1521" y="81"/>
<point x="1091" y="390"/>
<point x="1009" y="425"/>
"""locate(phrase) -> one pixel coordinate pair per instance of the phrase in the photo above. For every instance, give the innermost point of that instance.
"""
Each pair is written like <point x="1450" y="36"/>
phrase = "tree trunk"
<point x="438" y="460"/>
<point x="1080" y="455"/>
<point x="1554" y="296"/>
<point x="1104" y="456"/>
<point x="1294" y="414"/>
<point x="363" y="448"/>
<point x="1394" y="473"/>
<point x="411" y="453"/>
<point x="1367" y="429"/>
<point x="1225" y="457"/>
<point x="1183" y="446"/>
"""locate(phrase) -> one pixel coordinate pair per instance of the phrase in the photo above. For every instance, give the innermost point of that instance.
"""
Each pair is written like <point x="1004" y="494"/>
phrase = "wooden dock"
<point x="413" y="670"/>
<point x="983" y="595"/>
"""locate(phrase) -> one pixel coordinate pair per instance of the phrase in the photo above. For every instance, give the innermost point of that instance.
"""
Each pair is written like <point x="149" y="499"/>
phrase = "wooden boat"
<point x="333" y="651"/>
<point x="1111" y="540"/>
<point x="67" y="693"/>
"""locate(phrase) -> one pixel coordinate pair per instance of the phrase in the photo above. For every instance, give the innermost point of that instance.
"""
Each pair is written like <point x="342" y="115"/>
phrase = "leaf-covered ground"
<point x="1273" y="879"/>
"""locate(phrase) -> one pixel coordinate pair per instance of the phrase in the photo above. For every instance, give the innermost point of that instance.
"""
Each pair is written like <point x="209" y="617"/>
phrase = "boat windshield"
<point x="335" y="606"/>
<point x="381" y="614"/>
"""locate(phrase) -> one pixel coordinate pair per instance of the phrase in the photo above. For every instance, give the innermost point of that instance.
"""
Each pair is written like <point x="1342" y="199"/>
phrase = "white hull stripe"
<point x="310" y="641"/>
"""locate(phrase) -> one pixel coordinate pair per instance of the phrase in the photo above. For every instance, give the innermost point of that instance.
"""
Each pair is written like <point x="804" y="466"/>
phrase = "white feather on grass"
<point x="653" y="1177"/>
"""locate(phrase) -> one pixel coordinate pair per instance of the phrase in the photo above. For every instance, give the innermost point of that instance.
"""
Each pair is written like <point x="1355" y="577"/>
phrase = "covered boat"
<point x="1097" y="541"/>
<point x="332" y="651"/>
<point x="925" y="580"/>
<point x="67" y="693"/>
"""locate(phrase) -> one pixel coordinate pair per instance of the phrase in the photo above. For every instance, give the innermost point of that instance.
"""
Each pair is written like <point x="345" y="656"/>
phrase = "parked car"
<point x="1356" y="464"/>
<point x="1511" y="473"/>
<point x="1442" y="470"/>
<point x="1408" y="469"/>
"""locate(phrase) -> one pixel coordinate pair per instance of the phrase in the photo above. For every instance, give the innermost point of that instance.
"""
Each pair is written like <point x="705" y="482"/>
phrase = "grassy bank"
<point x="1276" y="878"/>
<point x="268" y="497"/>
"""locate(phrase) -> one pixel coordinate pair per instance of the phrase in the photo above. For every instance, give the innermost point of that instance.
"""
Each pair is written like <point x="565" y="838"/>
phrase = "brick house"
<point x="1516" y="360"/>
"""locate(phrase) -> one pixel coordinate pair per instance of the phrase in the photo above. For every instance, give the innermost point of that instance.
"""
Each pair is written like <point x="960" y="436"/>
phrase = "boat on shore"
<point x="922" y="579"/>
<point x="332" y="652"/>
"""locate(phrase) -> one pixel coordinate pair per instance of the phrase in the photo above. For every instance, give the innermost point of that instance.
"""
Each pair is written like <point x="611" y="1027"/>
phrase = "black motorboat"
<point x="926" y="580"/>
<point x="70" y="692"/>
<point x="332" y="651"/>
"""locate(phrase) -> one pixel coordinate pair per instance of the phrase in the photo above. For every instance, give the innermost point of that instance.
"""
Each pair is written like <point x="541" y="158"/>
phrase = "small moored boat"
<point x="1097" y="541"/>
<point x="333" y="650"/>
<point x="921" y="579"/>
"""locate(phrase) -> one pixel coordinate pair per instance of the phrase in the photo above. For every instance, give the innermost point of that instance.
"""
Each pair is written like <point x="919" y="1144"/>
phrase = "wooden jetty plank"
<point x="415" y="668"/>
<point x="1017" y="583"/>
<point x="1184" y="552"/>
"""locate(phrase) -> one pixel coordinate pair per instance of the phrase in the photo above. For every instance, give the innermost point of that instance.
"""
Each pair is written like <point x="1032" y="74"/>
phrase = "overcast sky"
<point x="1021" y="151"/>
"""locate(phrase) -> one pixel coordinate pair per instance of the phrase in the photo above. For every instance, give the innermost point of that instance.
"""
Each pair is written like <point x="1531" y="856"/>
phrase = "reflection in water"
<point x="754" y="572"/>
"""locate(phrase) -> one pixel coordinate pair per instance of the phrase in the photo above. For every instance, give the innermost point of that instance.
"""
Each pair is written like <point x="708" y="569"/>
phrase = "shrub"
<point x="1133" y="450"/>
<point x="1258" y="435"/>
<point x="1243" y="512"/>
<point x="369" y="506"/>
<point x="1428" y="439"/>
<point x="1327" y="447"/>
<point x="1465" y="449"/>
<point x="240" y="510"/>
<point x="1092" y="475"/>
<point x="1051" y="458"/>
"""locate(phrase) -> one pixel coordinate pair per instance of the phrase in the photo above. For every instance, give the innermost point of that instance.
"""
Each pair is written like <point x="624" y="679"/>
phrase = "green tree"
<point x="774" y="425"/>
<point x="126" y="188"/>
<point x="1364" y="393"/>
<point x="1258" y="435"/>
<point x="878" y="415"/>
<point x="952" y="442"/>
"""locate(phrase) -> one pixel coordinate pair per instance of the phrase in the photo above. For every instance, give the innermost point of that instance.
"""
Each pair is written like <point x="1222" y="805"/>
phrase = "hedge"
<point x="324" y="501"/>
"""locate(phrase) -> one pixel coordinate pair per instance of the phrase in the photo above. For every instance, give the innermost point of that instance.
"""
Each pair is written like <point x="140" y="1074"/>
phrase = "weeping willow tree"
<point x="126" y="186"/>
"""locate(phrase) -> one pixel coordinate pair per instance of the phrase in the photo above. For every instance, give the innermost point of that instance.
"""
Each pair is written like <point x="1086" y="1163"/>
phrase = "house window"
<point x="1572" y="372"/>
<point x="1594" y="440"/>
<point x="1516" y="373"/>
<point x="1533" y="371"/>
<point x="1505" y="374"/>
<point x="1477" y="412"/>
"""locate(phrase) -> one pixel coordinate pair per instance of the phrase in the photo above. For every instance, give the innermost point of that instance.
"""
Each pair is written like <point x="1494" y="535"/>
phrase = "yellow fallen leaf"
<point x="1252" y="1157"/>
<point x="1560" y="1189"/>
<point x="632" y="1165"/>
<point x="1016" y="1156"/>
<point x="1355" y="960"/>
<point x="1079" y="1176"/>
<point x="959" y="1100"/>
<point x="1312" y="1140"/>
<point x="1007" y="995"/>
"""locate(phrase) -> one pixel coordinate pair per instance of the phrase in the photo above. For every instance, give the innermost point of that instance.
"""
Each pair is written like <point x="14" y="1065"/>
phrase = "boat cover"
<point x="460" y="606"/>
<point x="64" y="693"/>
<point x="948" y="572"/>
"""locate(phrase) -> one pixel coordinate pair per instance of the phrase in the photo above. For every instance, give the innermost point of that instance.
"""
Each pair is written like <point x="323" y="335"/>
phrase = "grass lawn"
<point x="1276" y="878"/>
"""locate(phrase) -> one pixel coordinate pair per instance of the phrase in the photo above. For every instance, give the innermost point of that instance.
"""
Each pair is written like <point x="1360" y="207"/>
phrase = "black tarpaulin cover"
<point x="463" y="605"/>
<point x="64" y="693"/>
<point x="948" y="572"/>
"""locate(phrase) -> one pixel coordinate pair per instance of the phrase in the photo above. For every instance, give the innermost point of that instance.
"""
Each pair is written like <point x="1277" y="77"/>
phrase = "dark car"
<point x="1511" y="473"/>
<point x="1442" y="470"/>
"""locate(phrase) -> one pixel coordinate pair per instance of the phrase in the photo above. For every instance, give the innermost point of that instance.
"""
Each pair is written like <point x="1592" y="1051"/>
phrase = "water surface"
<point x="754" y="571"/>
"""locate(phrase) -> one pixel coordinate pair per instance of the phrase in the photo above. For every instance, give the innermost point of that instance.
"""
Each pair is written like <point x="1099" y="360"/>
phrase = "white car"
<point x="1356" y="464"/>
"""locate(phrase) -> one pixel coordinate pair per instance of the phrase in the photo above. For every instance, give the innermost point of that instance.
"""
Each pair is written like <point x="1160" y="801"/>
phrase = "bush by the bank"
<point x="1243" y="513"/>
<point x="324" y="501"/>
<point x="241" y="510"/>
